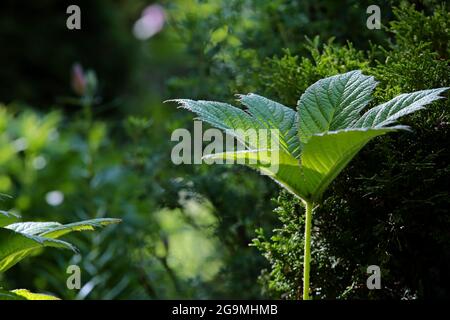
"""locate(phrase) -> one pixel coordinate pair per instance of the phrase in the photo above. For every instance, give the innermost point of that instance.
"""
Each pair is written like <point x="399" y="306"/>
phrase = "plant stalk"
<point x="307" y="253"/>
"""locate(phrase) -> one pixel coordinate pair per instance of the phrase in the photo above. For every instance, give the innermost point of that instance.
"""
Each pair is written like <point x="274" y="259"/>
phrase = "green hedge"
<point x="392" y="211"/>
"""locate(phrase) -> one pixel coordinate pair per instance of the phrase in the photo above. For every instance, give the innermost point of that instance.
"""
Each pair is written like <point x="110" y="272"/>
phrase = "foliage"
<point x="22" y="239"/>
<point x="242" y="34"/>
<point x="227" y="53"/>
<point x="331" y="131"/>
<point x="386" y="214"/>
<point x="186" y="229"/>
<point x="330" y="128"/>
<point x="96" y="174"/>
<point x="24" y="294"/>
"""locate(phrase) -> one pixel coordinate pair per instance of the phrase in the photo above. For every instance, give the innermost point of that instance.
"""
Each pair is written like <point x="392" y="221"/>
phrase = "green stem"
<point x="307" y="253"/>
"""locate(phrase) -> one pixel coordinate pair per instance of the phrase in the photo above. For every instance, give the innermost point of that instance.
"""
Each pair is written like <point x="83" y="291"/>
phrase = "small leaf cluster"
<point x="19" y="240"/>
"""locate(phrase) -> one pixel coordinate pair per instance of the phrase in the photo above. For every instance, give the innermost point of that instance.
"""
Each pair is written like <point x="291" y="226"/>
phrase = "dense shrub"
<point x="231" y="57"/>
<point x="394" y="211"/>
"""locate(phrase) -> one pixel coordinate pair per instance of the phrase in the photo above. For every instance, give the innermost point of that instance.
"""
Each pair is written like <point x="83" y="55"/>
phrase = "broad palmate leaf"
<point x="330" y="132"/>
<point x="318" y="141"/>
<point x="333" y="103"/>
<point x="262" y="114"/>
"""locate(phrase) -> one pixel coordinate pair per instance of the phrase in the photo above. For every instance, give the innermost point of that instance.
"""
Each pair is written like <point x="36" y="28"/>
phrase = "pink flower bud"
<point x="78" y="79"/>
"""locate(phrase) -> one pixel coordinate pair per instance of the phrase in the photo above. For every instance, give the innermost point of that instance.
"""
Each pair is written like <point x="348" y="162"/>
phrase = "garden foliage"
<point x="389" y="207"/>
<point x="108" y="158"/>
<point x="19" y="240"/>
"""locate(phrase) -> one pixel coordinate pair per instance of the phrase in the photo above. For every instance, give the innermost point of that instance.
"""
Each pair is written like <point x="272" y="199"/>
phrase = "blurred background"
<point x="84" y="134"/>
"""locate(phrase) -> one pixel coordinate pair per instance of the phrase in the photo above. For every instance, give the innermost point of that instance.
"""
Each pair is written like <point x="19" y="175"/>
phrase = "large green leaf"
<point x="15" y="246"/>
<point x="86" y="225"/>
<point x="55" y="230"/>
<point x="224" y="116"/>
<point x="387" y="113"/>
<point x="333" y="103"/>
<point x="330" y="129"/>
<point x="273" y="115"/>
<point x="326" y="155"/>
<point x="19" y="240"/>
<point x="323" y="158"/>
<point x="282" y="168"/>
<point x="32" y="228"/>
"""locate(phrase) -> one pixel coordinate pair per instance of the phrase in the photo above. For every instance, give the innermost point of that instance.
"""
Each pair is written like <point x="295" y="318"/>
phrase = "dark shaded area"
<point x="38" y="50"/>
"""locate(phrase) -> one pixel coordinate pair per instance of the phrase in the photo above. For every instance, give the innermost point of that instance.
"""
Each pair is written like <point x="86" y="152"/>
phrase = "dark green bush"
<point x="231" y="58"/>
<point x="394" y="212"/>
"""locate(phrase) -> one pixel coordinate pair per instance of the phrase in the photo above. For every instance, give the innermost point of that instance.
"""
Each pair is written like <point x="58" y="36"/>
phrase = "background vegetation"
<point x="186" y="230"/>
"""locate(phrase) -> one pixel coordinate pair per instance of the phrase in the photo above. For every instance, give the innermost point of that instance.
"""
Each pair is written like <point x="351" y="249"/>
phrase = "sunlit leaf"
<point x="55" y="230"/>
<point x="402" y="105"/>
<point x="330" y="128"/>
<point x="8" y="295"/>
<point x="333" y="103"/>
<point x="33" y="296"/>
<point x="15" y="246"/>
